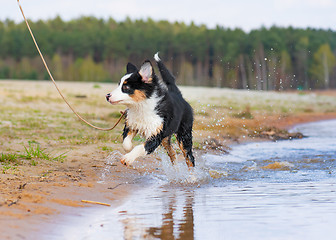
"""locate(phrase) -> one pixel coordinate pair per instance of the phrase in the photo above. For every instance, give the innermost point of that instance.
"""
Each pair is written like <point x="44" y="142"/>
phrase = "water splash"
<point x="180" y="173"/>
<point x="114" y="157"/>
<point x="111" y="160"/>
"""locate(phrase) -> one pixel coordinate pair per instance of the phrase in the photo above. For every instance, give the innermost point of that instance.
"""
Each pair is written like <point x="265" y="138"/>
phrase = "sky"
<point x="244" y="14"/>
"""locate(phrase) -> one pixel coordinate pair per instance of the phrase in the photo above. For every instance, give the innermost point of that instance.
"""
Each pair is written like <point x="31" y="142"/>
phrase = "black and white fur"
<point x="155" y="110"/>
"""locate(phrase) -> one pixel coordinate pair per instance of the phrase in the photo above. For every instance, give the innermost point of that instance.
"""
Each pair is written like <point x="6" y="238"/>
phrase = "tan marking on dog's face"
<point x="138" y="96"/>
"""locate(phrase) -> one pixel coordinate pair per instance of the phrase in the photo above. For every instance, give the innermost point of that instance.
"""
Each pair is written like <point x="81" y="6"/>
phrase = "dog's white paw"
<point x="127" y="159"/>
<point x="130" y="157"/>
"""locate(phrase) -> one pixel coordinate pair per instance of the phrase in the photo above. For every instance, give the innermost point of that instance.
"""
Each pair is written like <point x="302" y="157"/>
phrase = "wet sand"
<point x="33" y="196"/>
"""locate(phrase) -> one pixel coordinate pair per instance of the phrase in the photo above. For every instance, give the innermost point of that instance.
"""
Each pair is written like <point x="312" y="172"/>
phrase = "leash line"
<point x="59" y="91"/>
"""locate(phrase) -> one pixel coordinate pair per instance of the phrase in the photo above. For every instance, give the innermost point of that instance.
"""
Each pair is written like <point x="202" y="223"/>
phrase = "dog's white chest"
<point x="145" y="119"/>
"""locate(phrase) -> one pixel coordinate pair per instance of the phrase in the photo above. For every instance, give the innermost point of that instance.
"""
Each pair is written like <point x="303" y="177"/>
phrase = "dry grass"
<point x="32" y="111"/>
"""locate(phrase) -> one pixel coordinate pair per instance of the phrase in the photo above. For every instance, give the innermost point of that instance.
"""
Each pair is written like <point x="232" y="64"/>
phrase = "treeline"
<point x="91" y="49"/>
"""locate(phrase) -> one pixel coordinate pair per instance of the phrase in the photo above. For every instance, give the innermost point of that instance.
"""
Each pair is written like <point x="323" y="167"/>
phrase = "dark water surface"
<point x="268" y="190"/>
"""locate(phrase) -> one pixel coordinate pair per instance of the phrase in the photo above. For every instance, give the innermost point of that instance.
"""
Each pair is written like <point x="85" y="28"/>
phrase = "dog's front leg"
<point x="138" y="151"/>
<point x="127" y="143"/>
<point x="141" y="150"/>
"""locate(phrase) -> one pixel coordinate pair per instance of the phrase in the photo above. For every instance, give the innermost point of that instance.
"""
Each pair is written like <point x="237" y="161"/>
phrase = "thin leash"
<point x="52" y="78"/>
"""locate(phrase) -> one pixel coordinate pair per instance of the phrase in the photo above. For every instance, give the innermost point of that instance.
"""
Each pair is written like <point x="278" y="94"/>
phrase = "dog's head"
<point x="135" y="86"/>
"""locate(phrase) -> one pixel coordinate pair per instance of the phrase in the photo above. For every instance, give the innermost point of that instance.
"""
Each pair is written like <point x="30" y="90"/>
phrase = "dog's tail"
<point x="166" y="75"/>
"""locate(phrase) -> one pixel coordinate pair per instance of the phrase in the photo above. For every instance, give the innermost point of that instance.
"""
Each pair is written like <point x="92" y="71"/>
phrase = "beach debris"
<point x="215" y="144"/>
<point x="279" y="166"/>
<point x="276" y="134"/>
<point x="217" y="174"/>
<point x="22" y="186"/>
<point x="119" y="184"/>
<point x="98" y="203"/>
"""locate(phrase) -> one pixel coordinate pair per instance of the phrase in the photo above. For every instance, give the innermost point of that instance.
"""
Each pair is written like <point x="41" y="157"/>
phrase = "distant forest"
<point x="91" y="49"/>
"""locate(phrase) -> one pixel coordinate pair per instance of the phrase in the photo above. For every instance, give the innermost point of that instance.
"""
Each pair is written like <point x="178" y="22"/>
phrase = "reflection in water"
<point x="185" y="227"/>
<point x="284" y="190"/>
<point x="176" y="220"/>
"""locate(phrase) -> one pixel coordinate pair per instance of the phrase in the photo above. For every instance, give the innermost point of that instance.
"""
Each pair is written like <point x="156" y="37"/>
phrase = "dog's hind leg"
<point x="185" y="143"/>
<point x="167" y="145"/>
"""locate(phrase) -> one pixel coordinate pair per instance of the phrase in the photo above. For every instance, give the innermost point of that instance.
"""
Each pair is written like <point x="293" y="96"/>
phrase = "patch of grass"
<point x="284" y="109"/>
<point x="197" y="145"/>
<point x="62" y="138"/>
<point x="308" y="110"/>
<point x="32" y="123"/>
<point x="202" y="113"/>
<point x="107" y="148"/>
<point x="246" y="114"/>
<point x="96" y="86"/>
<point x="7" y="160"/>
<point x="34" y="152"/>
<point x="7" y="167"/>
<point x="8" y="157"/>
<point x="26" y="99"/>
<point x="115" y="115"/>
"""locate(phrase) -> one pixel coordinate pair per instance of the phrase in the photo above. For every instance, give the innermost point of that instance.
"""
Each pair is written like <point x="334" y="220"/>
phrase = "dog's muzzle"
<point x="108" y="96"/>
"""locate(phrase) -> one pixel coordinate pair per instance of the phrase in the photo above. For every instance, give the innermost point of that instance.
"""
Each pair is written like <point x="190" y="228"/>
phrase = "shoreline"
<point x="40" y="196"/>
<point x="38" y="207"/>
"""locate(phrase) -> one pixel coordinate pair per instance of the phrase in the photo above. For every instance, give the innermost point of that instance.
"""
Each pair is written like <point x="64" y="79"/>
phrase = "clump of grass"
<point x="7" y="160"/>
<point x="7" y="167"/>
<point x="34" y="152"/>
<point x="8" y="157"/>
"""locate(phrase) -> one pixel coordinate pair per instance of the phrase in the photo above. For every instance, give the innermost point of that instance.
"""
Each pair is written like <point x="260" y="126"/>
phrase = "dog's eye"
<point x="125" y="88"/>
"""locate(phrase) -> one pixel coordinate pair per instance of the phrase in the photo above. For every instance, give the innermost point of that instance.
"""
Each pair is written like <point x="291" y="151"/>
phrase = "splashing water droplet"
<point x="111" y="160"/>
<point x="113" y="157"/>
<point x="180" y="173"/>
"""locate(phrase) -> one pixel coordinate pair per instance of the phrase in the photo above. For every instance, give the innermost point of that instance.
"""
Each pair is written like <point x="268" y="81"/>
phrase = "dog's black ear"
<point x="131" y="68"/>
<point x="146" y="71"/>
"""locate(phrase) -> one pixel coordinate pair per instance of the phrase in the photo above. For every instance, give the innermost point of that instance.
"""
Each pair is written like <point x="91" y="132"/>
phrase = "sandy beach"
<point x="50" y="161"/>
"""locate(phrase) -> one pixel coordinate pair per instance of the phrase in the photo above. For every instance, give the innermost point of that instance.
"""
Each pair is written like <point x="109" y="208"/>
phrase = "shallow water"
<point x="268" y="190"/>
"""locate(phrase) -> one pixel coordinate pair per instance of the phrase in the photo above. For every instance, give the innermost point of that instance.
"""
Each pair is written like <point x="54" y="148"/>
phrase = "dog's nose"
<point x="108" y="96"/>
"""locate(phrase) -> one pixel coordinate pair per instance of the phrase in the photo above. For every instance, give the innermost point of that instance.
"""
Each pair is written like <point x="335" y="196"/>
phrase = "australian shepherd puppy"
<point x="155" y="109"/>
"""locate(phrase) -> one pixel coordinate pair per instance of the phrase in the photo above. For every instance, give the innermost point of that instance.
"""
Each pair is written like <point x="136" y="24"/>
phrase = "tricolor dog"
<point x="155" y="109"/>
